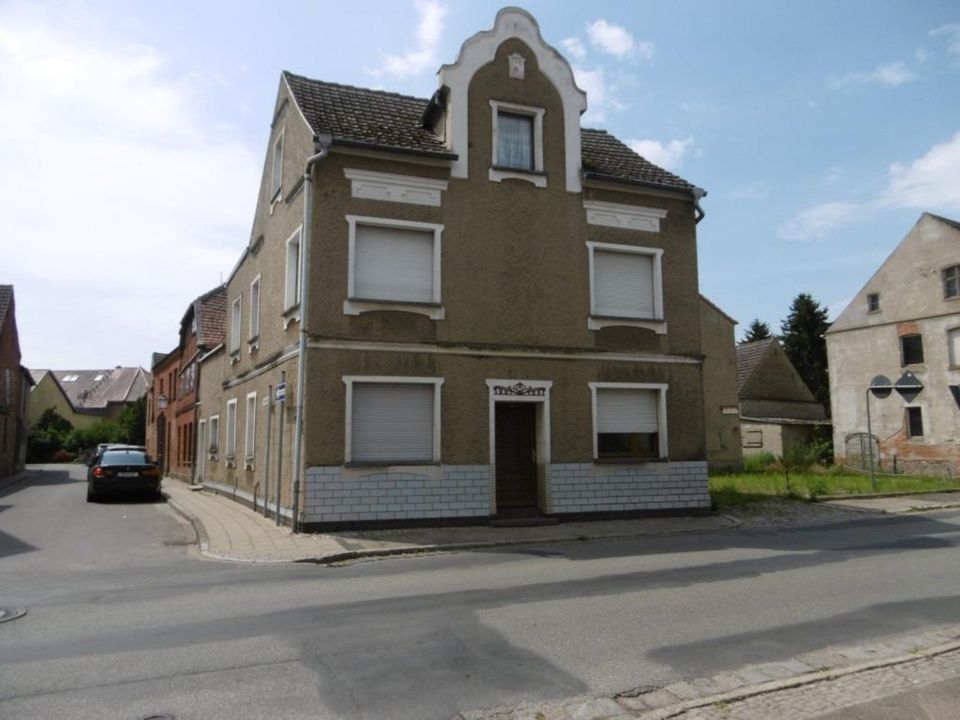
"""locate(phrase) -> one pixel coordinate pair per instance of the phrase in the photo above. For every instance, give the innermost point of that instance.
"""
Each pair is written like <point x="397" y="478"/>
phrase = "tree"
<point x="133" y="422"/>
<point x="802" y="335"/>
<point x="757" y="330"/>
<point x="47" y="436"/>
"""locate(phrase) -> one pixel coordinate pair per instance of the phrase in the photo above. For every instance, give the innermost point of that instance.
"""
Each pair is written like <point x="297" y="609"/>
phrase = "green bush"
<point x="760" y="462"/>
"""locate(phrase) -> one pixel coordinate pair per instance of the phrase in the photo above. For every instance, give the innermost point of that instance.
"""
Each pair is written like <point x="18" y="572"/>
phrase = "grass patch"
<point x="733" y="489"/>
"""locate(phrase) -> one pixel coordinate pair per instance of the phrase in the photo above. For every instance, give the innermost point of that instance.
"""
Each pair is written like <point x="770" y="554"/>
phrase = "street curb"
<point x="463" y="547"/>
<point x="202" y="540"/>
<point x="876" y="496"/>
<point x="673" y="711"/>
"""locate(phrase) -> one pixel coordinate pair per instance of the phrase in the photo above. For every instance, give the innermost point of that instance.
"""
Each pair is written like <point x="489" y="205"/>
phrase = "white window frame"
<point x="657" y="323"/>
<point x="354" y="306"/>
<point x="250" y="428"/>
<point x="661" y="389"/>
<point x="499" y="174"/>
<point x="291" y="296"/>
<point x="350" y="380"/>
<point x="213" y="442"/>
<point x="277" y="176"/>
<point x="236" y="323"/>
<point x="230" y="451"/>
<point x="254" y="309"/>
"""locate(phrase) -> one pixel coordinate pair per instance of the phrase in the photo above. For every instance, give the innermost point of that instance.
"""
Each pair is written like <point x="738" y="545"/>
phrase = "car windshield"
<point x="124" y="457"/>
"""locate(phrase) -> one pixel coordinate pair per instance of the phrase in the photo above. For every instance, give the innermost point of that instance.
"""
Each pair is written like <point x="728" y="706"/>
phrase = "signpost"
<point x="908" y="386"/>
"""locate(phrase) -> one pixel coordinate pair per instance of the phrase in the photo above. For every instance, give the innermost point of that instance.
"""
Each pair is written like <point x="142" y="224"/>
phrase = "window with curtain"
<point x="515" y="141"/>
<point x="628" y="423"/>
<point x="392" y="422"/>
<point x="291" y="296"/>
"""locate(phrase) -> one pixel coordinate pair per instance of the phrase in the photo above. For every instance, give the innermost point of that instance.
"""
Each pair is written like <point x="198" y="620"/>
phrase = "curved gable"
<point x="480" y="50"/>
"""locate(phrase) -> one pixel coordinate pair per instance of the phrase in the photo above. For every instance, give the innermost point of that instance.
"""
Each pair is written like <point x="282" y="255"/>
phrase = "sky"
<point x="133" y="136"/>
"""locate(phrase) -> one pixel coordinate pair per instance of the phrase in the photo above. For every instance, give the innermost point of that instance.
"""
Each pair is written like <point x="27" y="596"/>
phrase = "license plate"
<point x="128" y="474"/>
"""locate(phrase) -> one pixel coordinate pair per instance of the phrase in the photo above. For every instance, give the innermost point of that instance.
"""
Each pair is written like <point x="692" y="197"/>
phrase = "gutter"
<point x="322" y="145"/>
<point x="697" y="193"/>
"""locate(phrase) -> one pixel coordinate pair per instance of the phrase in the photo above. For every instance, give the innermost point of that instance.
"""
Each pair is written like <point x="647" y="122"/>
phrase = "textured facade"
<point x="906" y="319"/>
<point x="720" y="401"/>
<point x="15" y="383"/>
<point x="503" y="315"/>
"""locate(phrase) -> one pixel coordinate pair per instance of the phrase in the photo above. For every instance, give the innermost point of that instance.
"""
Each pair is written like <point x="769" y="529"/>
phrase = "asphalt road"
<point x="125" y="620"/>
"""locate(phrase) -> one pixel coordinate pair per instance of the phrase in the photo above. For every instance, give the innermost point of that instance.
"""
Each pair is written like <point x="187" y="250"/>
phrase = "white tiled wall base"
<point x="585" y="487"/>
<point x="339" y="494"/>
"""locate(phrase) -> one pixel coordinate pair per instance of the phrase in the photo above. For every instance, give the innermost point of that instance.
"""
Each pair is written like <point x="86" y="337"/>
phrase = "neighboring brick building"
<point x="502" y="309"/>
<point x="173" y="401"/>
<point x="15" y="383"/>
<point x="905" y="319"/>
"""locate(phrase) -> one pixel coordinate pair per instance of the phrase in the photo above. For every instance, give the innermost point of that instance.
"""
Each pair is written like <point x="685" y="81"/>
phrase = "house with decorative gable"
<point x="460" y="308"/>
<point x="903" y="325"/>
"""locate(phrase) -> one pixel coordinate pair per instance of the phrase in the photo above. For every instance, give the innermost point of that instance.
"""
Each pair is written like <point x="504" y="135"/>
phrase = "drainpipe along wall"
<point x="322" y="143"/>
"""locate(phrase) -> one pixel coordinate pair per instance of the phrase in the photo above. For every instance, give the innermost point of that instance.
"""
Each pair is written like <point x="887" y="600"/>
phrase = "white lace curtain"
<point x="515" y="141"/>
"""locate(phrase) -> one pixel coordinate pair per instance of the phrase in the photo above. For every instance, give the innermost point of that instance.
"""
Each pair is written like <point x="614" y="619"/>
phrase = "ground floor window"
<point x="629" y="421"/>
<point x="914" y="422"/>
<point x="393" y="420"/>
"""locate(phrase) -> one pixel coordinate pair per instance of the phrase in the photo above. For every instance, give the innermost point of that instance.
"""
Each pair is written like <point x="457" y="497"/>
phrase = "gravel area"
<point x="784" y="512"/>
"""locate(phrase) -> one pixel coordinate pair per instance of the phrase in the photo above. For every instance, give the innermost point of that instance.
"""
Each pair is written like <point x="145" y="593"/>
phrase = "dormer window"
<point x="517" y="143"/>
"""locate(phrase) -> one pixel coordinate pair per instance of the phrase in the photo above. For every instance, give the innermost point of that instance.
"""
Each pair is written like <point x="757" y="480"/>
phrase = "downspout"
<point x="698" y="213"/>
<point x="322" y="143"/>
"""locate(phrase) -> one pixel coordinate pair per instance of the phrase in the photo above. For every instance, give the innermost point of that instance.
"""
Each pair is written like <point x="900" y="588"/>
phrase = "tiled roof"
<point x="604" y="154"/>
<point x="155" y="358"/>
<point x="6" y="300"/>
<point x="374" y="117"/>
<point x="211" y="309"/>
<point x="748" y="356"/>
<point x="92" y="390"/>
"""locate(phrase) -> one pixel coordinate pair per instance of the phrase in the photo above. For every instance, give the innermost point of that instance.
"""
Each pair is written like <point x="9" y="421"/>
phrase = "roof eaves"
<point x="692" y="190"/>
<point x="394" y="149"/>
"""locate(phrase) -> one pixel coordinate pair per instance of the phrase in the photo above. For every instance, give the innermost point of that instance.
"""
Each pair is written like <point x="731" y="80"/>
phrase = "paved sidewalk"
<point x="838" y="683"/>
<point x="227" y="530"/>
<point x="899" y="503"/>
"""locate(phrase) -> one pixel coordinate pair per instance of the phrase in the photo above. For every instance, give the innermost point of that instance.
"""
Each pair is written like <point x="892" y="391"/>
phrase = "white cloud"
<point x="574" y="46"/>
<point x="615" y="40"/>
<point x="126" y="206"/>
<point x="932" y="181"/>
<point x="424" y="56"/>
<point x="669" y="156"/>
<point x="819" y="221"/>
<point x="951" y="34"/>
<point x="893" y="74"/>
<point x="593" y="82"/>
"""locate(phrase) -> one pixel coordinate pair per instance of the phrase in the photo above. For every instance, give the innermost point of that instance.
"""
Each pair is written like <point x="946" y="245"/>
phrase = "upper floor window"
<point x="236" y="312"/>
<point x="873" y="302"/>
<point x="250" y="429"/>
<point x="629" y="420"/>
<point x="517" y="143"/>
<point x="393" y="261"/>
<point x="231" y="428"/>
<point x="625" y="282"/>
<point x="953" y="345"/>
<point x="291" y="295"/>
<point x="277" y="166"/>
<point x="911" y="350"/>
<point x="255" y="308"/>
<point x="951" y="282"/>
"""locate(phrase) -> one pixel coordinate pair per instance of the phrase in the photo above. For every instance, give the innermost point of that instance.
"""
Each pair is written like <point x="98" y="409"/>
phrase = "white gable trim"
<point x="370" y="185"/>
<point x="480" y="50"/>
<point x="626" y="217"/>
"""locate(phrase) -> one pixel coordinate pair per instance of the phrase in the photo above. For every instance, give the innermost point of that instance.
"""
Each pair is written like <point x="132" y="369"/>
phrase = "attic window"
<point x="517" y="143"/>
<point x="69" y="378"/>
<point x="873" y="302"/>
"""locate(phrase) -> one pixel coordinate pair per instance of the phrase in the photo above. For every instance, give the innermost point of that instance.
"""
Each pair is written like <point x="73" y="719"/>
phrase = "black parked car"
<point x="121" y="471"/>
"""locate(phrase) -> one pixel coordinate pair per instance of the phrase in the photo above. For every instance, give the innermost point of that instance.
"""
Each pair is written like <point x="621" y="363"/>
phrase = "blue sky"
<point x="132" y="138"/>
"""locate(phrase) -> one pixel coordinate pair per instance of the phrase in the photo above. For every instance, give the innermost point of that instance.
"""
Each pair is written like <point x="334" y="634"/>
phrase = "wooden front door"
<point x="516" y="445"/>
